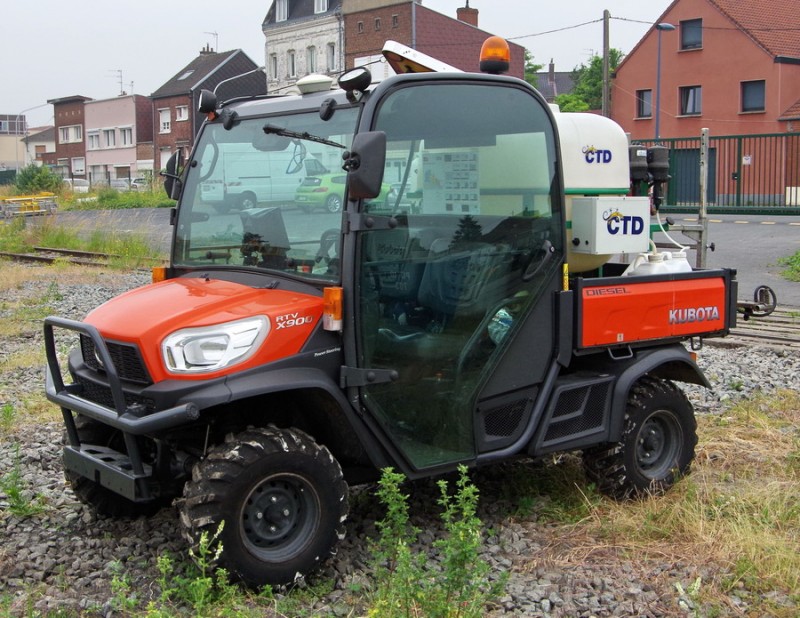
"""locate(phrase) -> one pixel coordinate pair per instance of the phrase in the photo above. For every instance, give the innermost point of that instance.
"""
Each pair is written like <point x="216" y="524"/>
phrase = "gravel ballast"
<point x="63" y="559"/>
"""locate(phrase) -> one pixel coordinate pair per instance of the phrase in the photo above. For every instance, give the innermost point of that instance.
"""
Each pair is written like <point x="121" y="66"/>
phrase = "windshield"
<point x="267" y="200"/>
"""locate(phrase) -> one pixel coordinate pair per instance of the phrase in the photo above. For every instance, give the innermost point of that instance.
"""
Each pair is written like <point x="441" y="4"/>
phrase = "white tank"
<point x="594" y="156"/>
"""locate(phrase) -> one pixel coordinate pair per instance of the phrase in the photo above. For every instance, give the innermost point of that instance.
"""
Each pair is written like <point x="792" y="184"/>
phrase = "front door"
<point x="445" y="291"/>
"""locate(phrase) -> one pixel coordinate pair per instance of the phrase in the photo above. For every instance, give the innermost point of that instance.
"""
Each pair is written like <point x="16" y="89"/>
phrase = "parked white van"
<point x="242" y="176"/>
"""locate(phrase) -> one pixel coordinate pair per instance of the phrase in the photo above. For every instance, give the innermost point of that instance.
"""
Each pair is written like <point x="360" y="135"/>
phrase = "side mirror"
<point x="364" y="164"/>
<point x="172" y="175"/>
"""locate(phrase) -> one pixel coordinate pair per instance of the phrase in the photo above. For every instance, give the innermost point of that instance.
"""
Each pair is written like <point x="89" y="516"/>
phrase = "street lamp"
<point x="24" y="134"/>
<point x="660" y="27"/>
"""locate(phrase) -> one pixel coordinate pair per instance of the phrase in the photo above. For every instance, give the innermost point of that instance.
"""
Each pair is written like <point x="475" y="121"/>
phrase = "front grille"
<point x="126" y="358"/>
<point x="101" y="394"/>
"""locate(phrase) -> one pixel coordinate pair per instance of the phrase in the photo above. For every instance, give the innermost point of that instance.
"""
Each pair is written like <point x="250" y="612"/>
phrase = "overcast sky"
<point x="52" y="48"/>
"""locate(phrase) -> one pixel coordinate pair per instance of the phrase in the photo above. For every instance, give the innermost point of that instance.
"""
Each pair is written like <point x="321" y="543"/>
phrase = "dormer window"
<point x="320" y="6"/>
<point x="281" y="10"/>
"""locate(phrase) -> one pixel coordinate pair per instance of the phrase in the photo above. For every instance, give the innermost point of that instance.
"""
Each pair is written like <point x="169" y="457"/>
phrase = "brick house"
<point x="176" y="120"/>
<point x="370" y="23"/>
<point x="70" y="154"/>
<point x="302" y="37"/>
<point x="119" y="137"/>
<point x="732" y="66"/>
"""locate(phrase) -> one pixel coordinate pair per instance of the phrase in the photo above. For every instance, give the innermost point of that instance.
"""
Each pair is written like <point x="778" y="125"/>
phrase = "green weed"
<point x="407" y="584"/>
<point x="21" y="501"/>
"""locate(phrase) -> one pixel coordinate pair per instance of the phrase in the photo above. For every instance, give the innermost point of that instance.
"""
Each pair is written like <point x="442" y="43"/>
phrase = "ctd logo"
<point x="626" y="224"/>
<point x="596" y="155"/>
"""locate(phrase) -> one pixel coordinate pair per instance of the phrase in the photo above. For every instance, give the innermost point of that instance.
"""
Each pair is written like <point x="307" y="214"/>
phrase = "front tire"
<point x="282" y="497"/>
<point x="657" y="447"/>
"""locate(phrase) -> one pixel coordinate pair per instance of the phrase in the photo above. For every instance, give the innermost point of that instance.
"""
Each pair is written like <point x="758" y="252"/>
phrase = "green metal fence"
<point x="755" y="174"/>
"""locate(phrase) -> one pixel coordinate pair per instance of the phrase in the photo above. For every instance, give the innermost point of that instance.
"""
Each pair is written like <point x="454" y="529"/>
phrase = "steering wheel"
<point x="329" y="240"/>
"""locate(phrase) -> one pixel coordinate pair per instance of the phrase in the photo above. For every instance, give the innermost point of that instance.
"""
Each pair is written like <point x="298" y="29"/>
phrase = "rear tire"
<point x="102" y="500"/>
<point x="248" y="200"/>
<point x="657" y="446"/>
<point x="282" y="497"/>
<point x="333" y="203"/>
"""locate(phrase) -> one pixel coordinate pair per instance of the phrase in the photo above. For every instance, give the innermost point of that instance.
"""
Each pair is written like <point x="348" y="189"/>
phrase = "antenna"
<point x="216" y="40"/>
<point x="119" y="77"/>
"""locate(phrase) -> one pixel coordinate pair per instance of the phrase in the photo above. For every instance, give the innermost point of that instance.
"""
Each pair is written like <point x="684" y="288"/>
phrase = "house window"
<point x="273" y="66"/>
<point x="94" y="141"/>
<point x="70" y="134"/>
<point x="361" y="27"/>
<point x="330" y="57"/>
<point x="281" y="10"/>
<point x="395" y="21"/>
<point x="320" y="6"/>
<point x="185" y="75"/>
<point x="165" y="126"/>
<point x="290" y="63"/>
<point x="110" y="137"/>
<point x="182" y="112"/>
<point x="311" y="59"/>
<point x="126" y="136"/>
<point x="377" y="23"/>
<point x="79" y="166"/>
<point x="644" y="103"/>
<point x="692" y="34"/>
<point x="754" y="96"/>
<point x="691" y="100"/>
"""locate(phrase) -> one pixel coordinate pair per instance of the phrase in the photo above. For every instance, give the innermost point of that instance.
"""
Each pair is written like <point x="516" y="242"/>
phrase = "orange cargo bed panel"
<point x="635" y="309"/>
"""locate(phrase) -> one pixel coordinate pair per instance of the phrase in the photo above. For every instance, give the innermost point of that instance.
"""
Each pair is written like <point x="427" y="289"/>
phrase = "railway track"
<point x="49" y="255"/>
<point x="780" y="329"/>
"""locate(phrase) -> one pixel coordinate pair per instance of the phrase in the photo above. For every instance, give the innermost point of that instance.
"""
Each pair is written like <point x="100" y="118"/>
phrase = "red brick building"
<point x="175" y="117"/>
<point x="732" y="66"/>
<point x="457" y="41"/>
<point x="70" y="155"/>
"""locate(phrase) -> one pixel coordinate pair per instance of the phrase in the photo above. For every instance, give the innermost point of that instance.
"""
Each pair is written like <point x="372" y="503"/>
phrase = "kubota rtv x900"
<point x="430" y="323"/>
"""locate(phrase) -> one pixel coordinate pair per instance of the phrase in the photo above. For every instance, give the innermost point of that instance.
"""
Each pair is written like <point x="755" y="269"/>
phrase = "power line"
<point x="525" y="36"/>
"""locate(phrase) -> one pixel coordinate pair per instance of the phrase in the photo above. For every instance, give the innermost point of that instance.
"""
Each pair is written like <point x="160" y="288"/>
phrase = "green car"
<point x="327" y="190"/>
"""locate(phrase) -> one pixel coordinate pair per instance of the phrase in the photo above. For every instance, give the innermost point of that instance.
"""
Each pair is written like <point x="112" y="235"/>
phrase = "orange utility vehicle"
<point x="287" y="354"/>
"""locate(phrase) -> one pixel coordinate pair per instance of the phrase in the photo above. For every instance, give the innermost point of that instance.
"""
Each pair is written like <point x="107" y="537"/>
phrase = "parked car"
<point x="327" y="190"/>
<point x="78" y="185"/>
<point x="120" y="184"/>
<point x="140" y="184"/>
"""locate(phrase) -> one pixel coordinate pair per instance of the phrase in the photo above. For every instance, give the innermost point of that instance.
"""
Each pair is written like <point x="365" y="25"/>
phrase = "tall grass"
<point x="130" y="250"/>
<point x="735" y="518"/>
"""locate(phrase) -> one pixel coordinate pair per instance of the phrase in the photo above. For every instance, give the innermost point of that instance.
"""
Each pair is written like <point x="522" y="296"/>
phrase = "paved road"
<point x="750" y="244"/>
<point x="753" y="245"/>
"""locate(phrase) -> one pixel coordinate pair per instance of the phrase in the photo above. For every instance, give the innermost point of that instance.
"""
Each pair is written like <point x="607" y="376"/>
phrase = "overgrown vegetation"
<point x="459" y="585"/>
<point x="35" y="179"/>
<point x="792" y="264"/>
<point x="129" y="250"/>
<point x="735" y="518"/>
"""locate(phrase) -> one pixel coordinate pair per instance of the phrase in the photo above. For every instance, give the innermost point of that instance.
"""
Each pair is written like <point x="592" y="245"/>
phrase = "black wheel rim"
<point x="658" y="445"/>
<point x="279" y="517"/>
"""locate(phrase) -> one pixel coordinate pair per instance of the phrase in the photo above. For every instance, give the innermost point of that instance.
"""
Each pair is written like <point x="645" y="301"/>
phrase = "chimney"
<point x="206" y="50"/>
<point x="467" y="15"/>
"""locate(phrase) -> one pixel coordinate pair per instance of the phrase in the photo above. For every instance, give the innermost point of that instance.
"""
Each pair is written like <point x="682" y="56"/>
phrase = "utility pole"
<point x="606" y="105"/>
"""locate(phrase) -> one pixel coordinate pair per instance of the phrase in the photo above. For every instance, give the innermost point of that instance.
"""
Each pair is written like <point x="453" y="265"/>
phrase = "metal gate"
<point x="755" y="174"/>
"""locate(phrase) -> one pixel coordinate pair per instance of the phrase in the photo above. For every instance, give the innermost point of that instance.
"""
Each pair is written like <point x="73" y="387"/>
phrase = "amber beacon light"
<point x="495" y="55"/>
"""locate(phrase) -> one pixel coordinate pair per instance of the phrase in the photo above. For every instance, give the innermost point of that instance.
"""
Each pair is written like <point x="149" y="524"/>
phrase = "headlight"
<point x="209" y="348"/>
